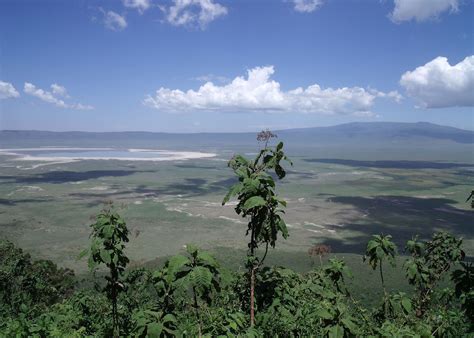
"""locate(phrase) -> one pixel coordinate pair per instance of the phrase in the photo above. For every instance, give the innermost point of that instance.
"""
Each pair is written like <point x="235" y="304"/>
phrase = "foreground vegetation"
<point x="192" y="295"/>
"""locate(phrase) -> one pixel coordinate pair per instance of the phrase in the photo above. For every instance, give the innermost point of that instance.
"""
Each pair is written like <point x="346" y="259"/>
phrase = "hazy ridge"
<point x="355" y="131"/>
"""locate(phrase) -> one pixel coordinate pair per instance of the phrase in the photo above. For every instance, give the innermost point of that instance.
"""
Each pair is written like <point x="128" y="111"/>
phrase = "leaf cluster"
<point x="256" y="194"/>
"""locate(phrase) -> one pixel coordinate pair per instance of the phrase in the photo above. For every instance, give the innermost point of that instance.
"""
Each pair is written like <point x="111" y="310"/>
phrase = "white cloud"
<point x="307" y="6"/>
<point x="31" y="89"/>
<point x="193" y="12"/>
<point x="421" y="10"/>
<point x="51" y="97"/>
<point x="140" y="5"/>
<point x="7" y="91"/>
<point x="437" y="84"/>
<point x="59" y="90"/>
<point x="114" y="21"/>
<point x="258" y="92"/>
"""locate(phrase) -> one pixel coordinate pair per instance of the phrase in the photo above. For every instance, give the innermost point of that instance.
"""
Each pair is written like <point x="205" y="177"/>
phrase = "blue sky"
<point x="144" y="64"/>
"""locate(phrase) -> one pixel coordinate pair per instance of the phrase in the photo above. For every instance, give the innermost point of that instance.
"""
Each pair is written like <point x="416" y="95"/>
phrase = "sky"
<point x="230" y="66"/>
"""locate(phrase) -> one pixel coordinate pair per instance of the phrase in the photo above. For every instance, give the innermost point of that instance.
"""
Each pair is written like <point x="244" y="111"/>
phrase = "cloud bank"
<point x="259" y="93"/>
<point x="193" y="13"/>
<point x="52" y="97"/>
<point x="7" y="91"/>
<point x="437" y="84"/>
<point x="421" y="10"/>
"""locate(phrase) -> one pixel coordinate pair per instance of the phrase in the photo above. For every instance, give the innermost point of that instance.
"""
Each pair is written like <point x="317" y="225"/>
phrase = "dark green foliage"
<point x="464" y="288"/>
<point x="429" y="263"/>
<point x="27" y="285"/>
<point x="163" y="302"/>
<point x="305" y="305"/>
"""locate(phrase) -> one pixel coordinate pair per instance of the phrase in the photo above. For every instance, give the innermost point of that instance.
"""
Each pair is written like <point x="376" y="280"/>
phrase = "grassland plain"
<point x="339" y="192"/>
<point x="339" y="202"/>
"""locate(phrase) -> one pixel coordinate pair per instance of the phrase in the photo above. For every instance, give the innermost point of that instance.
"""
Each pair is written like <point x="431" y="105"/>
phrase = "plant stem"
<point x="196" y="311"/>
<point x="114" y="313"/>
<point x="252" y="277"/>
<point x="384" y="290"/>
<point x="252" y="293"/>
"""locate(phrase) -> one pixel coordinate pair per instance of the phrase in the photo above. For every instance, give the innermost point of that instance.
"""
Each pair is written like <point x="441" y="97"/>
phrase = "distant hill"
<point x="357" y="134"/>
<point x="382" y="132"/>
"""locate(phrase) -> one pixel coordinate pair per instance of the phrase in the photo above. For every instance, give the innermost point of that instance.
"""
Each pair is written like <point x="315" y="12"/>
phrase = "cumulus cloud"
<point x="59" y="90"/>
<point x="258" y="92"/>
<point x="307" y="6"/>
<point x="421" y="10"/>
<point x="52" y="97"/>
<point x="43" y="95"/>
<point x="140" y="5"/>
<point x="114" y="21"/>
<point x="7" y="91"/>
<point x="193" y="12"/>
<point x="437" y="84"/>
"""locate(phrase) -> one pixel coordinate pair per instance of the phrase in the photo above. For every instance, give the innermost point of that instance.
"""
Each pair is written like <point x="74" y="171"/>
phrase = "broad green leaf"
<point x="169" y="318"/>
<point x="406" y="303"/>
<point x="82" y="254"/>
<point x="242" y="172"/>
<point x="255" y="201"/>
<point x="372" y="245"/>
<point x="240" y="160"/>
<point x="200" y="277"/>
<point x="177" y="262"/>
<point x="105" y="256"/>
<point x="207" y="257"/>
<point x="283" y="228"/>
<point x="280" y="171"/>
<point x="154" y="329"/>
<point x="282" y="202"/>
<point x="336" y="331"/>
<point x="234" y="190"/>
<point x="349" y="324"/>
<point x="323" y="313"/>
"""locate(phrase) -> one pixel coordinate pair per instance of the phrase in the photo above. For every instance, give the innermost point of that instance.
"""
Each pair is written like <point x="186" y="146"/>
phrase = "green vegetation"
<point x="192" y="294"/>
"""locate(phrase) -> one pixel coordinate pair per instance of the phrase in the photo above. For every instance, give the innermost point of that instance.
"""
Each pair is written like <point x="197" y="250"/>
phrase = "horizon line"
<point x="230" y="132"/>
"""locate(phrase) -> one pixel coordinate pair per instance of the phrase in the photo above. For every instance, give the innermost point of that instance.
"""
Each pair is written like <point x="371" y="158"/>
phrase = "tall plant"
<point x="258" y="201"/>
<point x="381" y="248"/>
<point x="108" y="238"/>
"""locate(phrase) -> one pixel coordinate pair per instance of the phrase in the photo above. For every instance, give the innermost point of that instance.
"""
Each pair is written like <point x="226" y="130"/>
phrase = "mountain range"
<point x="350" y="134"/>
